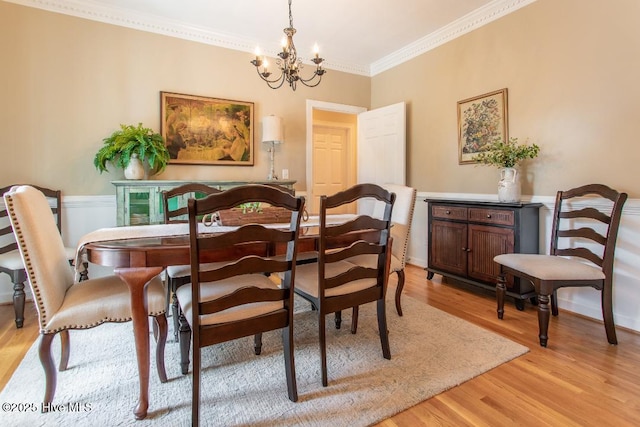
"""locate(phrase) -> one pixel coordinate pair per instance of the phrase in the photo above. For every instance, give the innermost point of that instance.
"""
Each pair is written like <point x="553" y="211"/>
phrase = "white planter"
<point x="135" y="169"/>
<point x="509" y="185"/>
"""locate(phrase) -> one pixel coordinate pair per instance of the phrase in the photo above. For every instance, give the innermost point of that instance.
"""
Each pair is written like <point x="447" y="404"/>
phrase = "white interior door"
<point x="382" y="145"/>
<point x="332" y="154"/>
<point x="381" y="148"/>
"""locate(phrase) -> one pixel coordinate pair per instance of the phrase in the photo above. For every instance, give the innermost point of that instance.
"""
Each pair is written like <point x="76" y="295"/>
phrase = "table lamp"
<point x="272" y="135"/>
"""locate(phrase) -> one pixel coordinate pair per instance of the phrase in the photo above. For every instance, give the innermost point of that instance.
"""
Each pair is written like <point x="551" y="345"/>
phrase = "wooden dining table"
<point x="139" y="253"/>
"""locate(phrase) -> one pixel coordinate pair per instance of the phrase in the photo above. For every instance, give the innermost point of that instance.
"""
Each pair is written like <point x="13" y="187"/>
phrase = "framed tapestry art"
<point x="481" y="120"/>
<point x="207" y="131"/>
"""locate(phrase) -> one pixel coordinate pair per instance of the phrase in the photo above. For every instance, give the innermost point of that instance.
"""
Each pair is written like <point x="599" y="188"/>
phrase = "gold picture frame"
<point x="199" y="130"/>
<point x="481" y="120"/>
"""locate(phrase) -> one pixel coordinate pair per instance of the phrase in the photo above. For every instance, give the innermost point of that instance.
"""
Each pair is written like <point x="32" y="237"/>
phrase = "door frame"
<point x="326" y="106"/>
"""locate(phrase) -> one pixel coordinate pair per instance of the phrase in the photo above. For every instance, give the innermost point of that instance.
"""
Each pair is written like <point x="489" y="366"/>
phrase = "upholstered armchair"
<point x="63" y="304"/>
<point x="10" y="260"/>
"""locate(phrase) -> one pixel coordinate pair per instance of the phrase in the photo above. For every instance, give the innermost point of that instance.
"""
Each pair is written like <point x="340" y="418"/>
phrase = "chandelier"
<point x="289" y="64"/>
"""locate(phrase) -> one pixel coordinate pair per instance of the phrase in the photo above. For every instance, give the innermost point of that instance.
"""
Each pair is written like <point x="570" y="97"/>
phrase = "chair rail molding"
<point x="88" y="213"/>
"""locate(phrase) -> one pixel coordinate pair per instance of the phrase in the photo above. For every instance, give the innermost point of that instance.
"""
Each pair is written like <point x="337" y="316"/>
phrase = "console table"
<point x="139" y="202"/>
<point x="465" y="235"/>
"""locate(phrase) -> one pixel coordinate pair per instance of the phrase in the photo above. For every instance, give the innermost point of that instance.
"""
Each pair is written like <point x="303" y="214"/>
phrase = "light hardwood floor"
<point x="579" y="379"/>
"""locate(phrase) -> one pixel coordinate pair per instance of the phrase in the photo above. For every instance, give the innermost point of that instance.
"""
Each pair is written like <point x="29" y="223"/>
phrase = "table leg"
<point x="137" y="279"/>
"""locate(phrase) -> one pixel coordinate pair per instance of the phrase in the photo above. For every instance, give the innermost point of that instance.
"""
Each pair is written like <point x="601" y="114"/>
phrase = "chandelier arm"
<point x="307" y="84"/>
<point x="270" y="82"/>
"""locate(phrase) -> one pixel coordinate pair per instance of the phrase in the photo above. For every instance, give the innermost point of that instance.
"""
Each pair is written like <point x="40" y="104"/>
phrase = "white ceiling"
<point x="358" y="36"/>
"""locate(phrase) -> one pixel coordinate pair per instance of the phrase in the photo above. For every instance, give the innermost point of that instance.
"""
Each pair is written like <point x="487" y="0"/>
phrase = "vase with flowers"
<point x="507" y="155"/>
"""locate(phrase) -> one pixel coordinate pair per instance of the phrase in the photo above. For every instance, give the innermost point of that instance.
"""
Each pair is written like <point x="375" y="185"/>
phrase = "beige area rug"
<point x="431" y="351"/>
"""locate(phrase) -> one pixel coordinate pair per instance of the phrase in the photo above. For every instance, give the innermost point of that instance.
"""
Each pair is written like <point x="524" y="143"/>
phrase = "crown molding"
<point x="125" y="18"/>
<point x="474" y="20"/>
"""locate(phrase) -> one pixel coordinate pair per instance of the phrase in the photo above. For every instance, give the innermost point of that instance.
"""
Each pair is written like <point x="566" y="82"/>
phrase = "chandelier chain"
<point x="290" y="16"/>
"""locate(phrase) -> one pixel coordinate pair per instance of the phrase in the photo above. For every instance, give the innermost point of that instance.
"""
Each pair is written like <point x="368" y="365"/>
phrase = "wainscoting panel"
<point x="83" y="214"/>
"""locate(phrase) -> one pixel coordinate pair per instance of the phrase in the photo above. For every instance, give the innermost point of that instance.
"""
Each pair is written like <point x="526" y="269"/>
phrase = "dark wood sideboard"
<point x="465" y="235"/>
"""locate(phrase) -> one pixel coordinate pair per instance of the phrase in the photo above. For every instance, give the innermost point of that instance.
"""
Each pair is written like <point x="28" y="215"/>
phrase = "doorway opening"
<point x="331" y="149"/>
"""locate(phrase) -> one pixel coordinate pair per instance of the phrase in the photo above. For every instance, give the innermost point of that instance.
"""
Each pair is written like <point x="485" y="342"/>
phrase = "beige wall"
<point x="69" y="82"/>
<point x="571" y="68"/>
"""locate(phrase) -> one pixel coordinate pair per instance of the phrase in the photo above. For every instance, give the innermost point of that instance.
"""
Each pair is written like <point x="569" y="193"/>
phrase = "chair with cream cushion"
<point x="334" y="283"/>
<point x="174" y="203"/>
<point x="401" y="220"/>
<point x="10" y="261"/>
<point x="237" y="299"/>
<point x="583" y="240"/>
<point x="63" y="304"/>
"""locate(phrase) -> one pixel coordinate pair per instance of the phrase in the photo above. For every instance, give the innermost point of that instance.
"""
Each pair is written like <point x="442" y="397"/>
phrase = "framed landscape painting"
<point x="481" y="120"/>
<point x="207" y="131"/>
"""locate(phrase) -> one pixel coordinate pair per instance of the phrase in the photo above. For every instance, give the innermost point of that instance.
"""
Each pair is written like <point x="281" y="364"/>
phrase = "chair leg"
<point x="383" y="331"/>
<point x="257" y="344"/>
<point x="323" y="347"/>
<point x="289" y="363"/>
<point x="18" y="303"/>
<point x="175" y="311"/>
<point x="399" y="291"/>
<point x="84" y="273"/>
<point x="607" y="314"/>
<point x="161" y="322"/>
<point x="185" y="344"/>
<point x="543" y="319"/>
<point x="195" y="378"/>
<point x="169" y="293"/>
<point x="46" y="359"/>
<point x="354" y="319"/>
<point x="554" y="303"/>
<point x="338" y="319"/>
<point x="501" y="289"/>
<point x="65" y="349"/>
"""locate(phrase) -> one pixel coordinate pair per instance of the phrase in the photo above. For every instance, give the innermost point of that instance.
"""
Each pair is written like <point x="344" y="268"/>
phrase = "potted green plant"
<point x="129" y="147"/>
<point x="506" y="155"/>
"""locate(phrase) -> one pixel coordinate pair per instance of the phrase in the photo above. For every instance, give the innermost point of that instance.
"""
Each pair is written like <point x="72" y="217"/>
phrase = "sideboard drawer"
<point x="449" y="212"/>
<point x="492" y="216"/>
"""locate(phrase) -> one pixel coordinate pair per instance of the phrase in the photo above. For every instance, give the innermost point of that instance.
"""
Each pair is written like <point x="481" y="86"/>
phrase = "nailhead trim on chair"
<point x="27" y="264"/>
<point x="36" y="290"/>
<point x="406" y="242"/>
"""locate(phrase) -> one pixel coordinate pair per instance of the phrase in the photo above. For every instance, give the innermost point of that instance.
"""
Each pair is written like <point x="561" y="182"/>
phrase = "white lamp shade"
<point x="272" y="129"/>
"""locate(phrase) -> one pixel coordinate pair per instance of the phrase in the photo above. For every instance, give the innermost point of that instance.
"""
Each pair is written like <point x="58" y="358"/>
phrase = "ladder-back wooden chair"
<point x="237" y="299"/>
<point x="174" y="203"/>
<point x="583" y="241"/>
<point x="337" y="281"/>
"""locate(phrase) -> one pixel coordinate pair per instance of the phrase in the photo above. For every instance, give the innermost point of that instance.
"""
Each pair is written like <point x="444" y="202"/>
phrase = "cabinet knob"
<point x="488" y="215"/>
<point x="447" y="212"/>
